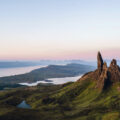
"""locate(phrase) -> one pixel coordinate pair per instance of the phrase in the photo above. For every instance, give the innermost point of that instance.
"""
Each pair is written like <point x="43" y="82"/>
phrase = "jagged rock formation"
<point x="105" y="76"/>
<point x="99" y="63"/>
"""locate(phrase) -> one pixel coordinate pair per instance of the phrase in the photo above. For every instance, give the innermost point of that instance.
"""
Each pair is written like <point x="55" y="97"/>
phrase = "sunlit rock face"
<point x="102" y="72"/>
<point x="103" y="78"/>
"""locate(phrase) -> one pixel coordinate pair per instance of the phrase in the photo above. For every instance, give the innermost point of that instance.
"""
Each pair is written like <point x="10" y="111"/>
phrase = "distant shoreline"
<point x="45" y="72"/>
<point x="6" y="72"/>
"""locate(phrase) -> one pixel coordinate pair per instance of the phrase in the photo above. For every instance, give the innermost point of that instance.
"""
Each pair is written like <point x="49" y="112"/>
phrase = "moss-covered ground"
<point x="71" y="101"/>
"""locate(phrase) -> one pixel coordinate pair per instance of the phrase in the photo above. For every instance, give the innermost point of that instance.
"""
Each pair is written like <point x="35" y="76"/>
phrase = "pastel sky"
<point x="59" y="29"/>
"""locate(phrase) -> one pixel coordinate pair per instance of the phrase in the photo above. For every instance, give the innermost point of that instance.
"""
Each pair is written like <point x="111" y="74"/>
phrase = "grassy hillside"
<point x="71" y="101"/>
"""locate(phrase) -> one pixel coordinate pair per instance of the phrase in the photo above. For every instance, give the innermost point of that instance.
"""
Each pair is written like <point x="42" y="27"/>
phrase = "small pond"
<point x="23" y="104"/>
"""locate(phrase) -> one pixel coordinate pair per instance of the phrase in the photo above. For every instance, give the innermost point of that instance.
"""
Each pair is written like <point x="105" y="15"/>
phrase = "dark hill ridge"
<point x="105" y="76"/>
<point x="51" y="71"/>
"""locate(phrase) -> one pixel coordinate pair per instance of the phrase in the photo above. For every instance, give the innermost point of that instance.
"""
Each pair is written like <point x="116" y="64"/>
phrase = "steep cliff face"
<point x="105" y="76"/>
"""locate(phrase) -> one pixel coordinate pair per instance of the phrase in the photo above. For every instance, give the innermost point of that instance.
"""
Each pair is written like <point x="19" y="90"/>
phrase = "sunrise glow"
<point x="64" y="29"/>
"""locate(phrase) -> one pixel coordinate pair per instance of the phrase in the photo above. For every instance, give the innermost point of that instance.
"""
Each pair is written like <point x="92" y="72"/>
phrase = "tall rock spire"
<point x="99" y="62"/>
<point x="105" y="76"/>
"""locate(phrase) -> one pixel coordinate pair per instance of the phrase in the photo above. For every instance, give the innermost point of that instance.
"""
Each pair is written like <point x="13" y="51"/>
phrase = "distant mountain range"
<point x="13" y="64"/>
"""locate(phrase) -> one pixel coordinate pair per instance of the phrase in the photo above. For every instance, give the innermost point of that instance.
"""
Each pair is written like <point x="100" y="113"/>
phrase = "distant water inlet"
<point x="23" y="104"/>
<point x="17" y="71"/>
<point x="54" y="81"/>
<point x="65" y="79"/>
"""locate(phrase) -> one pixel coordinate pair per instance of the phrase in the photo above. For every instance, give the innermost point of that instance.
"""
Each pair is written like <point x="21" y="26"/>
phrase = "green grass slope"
<point x="71" y="101"/>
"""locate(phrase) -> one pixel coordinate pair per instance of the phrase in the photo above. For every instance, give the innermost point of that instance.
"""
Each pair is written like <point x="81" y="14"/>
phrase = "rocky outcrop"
<point x="103" y="78"/>
<point x="107" y="75"/>
<point x="99" y="63"/>
<point x="103" y="75"/>
<point x="114" y="72"/>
